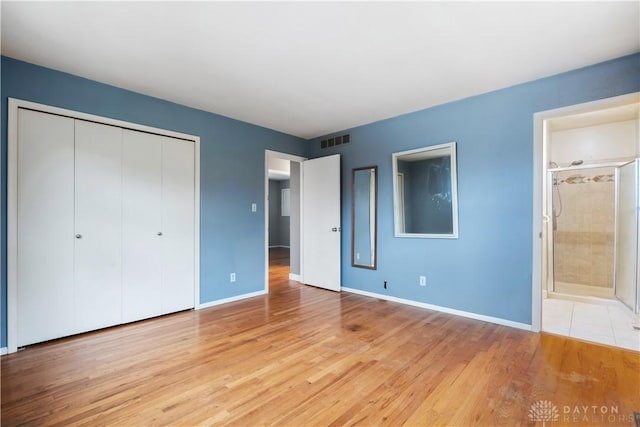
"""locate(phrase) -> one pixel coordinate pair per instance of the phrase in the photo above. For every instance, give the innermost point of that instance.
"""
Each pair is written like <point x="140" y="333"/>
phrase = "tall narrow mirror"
<point x="425" y="192"/>
<point x="364" y="227"/>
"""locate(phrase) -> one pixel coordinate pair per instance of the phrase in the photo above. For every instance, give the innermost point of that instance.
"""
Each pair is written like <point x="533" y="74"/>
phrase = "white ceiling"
<point x="313" y="68"/>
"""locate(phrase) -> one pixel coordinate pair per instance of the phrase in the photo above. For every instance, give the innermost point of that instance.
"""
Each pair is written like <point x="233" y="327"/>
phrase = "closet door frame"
<point x="12" y="198"/>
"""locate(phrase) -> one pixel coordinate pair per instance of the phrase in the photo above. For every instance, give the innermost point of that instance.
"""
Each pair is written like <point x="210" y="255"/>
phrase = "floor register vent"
<point x="335" y="140"/>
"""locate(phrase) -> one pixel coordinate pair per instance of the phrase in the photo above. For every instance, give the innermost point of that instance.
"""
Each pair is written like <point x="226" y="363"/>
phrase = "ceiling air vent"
<point x="335" y="140"/>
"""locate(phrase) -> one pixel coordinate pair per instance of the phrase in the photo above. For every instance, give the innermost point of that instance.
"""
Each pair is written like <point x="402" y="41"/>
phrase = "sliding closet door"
<point x="142" y="225"/>
<point x="177" y="224"/>
<point x="44" y="227"/>
<point x="98" y="225"/>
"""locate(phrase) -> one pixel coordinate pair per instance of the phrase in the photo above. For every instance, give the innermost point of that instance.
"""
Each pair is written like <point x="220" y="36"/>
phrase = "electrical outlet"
<point x="423" y="280"/>
<point x="254" y="207"/>
<point x="232" y="277"/>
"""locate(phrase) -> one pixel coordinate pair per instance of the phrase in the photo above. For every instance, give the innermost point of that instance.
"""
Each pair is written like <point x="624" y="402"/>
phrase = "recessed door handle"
<point x="78" y="236"/>
<point x="159" y="233"/>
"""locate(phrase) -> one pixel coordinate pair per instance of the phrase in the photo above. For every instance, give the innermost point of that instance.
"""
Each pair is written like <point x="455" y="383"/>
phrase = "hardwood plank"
<point x="279" y="257"/>
<point x="306" y="356"/>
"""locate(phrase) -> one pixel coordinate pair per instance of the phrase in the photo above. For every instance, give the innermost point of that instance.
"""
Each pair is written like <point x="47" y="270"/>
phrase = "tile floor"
<point x="604" y="324"/>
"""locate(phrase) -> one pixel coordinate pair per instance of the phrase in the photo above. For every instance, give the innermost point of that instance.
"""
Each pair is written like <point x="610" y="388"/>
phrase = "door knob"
<point x="159" y="233"/>
<point x="335" y="229"/>
<point x="78" y="236"/>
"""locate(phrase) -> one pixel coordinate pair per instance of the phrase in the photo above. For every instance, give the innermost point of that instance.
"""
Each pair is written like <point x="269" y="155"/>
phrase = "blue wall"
<point x="231" y="160"/>
<point x="488" y="269"/>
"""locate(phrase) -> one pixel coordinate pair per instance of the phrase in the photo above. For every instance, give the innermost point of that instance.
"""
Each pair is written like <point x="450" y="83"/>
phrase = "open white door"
<point x="321" y="222"/>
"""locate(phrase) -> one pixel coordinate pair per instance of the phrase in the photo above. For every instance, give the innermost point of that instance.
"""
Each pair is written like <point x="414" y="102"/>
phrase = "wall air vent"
<point x="335" y="140"/>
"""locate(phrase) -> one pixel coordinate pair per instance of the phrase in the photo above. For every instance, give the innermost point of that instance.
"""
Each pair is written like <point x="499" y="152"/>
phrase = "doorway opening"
<point x="283" y="193"/>
<point x="588" y="188"/>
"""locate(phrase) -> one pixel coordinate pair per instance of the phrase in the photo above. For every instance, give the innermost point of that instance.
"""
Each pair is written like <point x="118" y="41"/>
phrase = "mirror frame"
<point x="451" y="148"/>
<point x="353" y="219"/>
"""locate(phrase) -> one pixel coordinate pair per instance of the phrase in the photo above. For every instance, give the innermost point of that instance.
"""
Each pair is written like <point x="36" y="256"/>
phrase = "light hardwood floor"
<point x="303" y="356"/>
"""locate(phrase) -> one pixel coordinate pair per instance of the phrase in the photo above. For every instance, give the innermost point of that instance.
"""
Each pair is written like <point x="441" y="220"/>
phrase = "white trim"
<point x="231" y="299"/>
<point x="373" y="221"/>
<point x="3" y="351"/>
<point x="19" y="103"/>
<point x="399" y="207"/>
<point x="296" y="277"/>
<point x="12" y="198"/>
<point x="196" y="231"/>
<point x="616" y="197"/>
<point x="12" y="231"/>
<point x="301" y="264"/>
<point x="447" y="148"/>
<point x="467" y="314"/>
<point x="540" y="163"/>
<point x="292" y="158"/>
<point x="538" y="225"/>
<point x="284" y="156"/>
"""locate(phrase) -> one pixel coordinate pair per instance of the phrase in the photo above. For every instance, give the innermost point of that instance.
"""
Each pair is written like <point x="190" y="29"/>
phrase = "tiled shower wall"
<point x="584" y="230"/>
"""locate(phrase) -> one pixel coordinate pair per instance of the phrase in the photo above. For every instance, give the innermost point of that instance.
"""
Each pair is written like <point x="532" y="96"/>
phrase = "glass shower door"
<point x="626" y="268"/>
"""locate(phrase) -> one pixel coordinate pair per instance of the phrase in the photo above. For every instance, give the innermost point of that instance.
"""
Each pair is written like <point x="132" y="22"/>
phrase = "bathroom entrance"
<point x="590" y="233"/>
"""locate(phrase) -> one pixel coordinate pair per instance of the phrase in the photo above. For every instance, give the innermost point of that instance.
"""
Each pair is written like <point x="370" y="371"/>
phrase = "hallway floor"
<point x="279" y="257"/>
<point x="604" y="324"/>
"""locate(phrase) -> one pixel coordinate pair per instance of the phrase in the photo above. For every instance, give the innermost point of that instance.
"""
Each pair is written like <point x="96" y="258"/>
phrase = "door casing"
<point x="276" y="155"/>
<point x="540" y="166"/>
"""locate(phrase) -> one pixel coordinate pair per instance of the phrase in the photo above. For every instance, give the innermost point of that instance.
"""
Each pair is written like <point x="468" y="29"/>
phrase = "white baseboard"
<point x="490" y="319"/>
<point x="3" y="351"/>
<point x="295" y="277"/>
<point x="231" y="299"/>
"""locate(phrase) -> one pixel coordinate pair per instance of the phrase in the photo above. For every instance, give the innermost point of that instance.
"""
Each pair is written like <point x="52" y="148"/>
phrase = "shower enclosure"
<point x="593" y="224"/>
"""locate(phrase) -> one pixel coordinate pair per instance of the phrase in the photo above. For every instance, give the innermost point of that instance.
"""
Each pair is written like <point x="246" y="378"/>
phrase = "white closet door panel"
<point x="177" y="224"/>
<point x="98" y="225"/>
<point x="45" y="227"/>
<point x="141" y="215"/>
